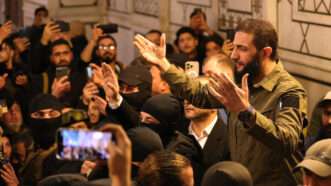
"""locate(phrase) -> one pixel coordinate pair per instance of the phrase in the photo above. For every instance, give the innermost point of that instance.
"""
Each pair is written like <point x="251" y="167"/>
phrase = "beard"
<point x="107" y="58"/>
<point x="251" y="68"/>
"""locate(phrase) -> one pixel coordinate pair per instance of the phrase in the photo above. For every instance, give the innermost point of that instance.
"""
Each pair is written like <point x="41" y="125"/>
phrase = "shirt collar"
<point x="206" y="131"/>
<point x="271" y="80"/>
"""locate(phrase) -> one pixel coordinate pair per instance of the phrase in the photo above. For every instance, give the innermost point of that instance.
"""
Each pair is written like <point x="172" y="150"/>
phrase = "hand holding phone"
<point x="61" y="86"/>
<point x="109" y="28"/>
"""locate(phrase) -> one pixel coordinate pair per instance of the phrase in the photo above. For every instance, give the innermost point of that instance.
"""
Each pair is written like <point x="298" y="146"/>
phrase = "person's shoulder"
<point x="288" y="82"/>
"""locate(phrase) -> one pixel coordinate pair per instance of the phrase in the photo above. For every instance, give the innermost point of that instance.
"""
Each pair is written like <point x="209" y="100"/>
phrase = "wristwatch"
<point x="247" y="116"/>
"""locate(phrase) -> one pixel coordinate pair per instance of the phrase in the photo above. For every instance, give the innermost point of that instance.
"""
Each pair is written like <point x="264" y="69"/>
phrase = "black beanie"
<point x="144" y="142"/>
<point x="165" y="108"/>
<point x="45" y="101"/>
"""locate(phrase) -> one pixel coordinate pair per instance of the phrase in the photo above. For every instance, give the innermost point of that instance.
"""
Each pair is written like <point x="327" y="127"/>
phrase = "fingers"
<point x="62" y="79"/>
<point x="216" y="95"/>
<point x="112" y="87"/>
<point x="7" y="173"/>
<point x="147" y="44"/>
<point x="140" y="47"/>
<point x="98" y="99"/>
<point x="244" y="83"/>
<point x="109" y="74"/>
<point x="91" y="88"/>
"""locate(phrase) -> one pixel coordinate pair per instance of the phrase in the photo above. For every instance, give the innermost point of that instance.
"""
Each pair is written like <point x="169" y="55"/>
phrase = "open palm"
<point x="151" y="52"/>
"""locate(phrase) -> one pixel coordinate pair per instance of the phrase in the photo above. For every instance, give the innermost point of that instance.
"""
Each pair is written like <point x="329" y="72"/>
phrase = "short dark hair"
<point x="183" y="30"/>
<point x="214" y="38"/>
<point x="9" y="41"/>
<point x="162" y="168"/>
<point x="107" y="36"/>
<point x="59" y="42"/>
<point x="40" y="9"/>
<point x="264" y="34"/>
<point x="197" y="11"/>
<point x="154" y="31"/>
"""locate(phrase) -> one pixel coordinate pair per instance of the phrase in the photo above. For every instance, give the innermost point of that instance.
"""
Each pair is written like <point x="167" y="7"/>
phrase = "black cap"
<point x="144" y="142"/>
<point x="135" y="75"/>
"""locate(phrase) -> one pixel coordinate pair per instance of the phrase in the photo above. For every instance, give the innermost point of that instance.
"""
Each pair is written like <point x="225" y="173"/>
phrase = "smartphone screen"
<point x="61" y="71"/>
<point x="82" y="144"/>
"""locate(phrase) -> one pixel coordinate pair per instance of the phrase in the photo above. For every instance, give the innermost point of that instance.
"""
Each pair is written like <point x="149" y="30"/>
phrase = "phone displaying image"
<point x="192" y="68"/>
<point x="82" y="144"/>
<point x="61" y="71"/>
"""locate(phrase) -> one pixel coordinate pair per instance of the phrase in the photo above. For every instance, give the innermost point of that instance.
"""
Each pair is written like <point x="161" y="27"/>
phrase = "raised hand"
<point x="51" y="28"/>
<point x="235" y="99"/>
<point x="5" y="30"/>
<point x="90" y="89"/>
<point x="96" y="33"/>
<point x="152" y="53"/>
<point x="22" y="44"/>
<point x="8" y="175"/>
<point x="111" y="86"/>
<point x="228" y="47"/>
<point x="97" y="76"/>
<point x="101" y="104"/>
<point x="119" y="163"/>
<point x="61" y="86"/>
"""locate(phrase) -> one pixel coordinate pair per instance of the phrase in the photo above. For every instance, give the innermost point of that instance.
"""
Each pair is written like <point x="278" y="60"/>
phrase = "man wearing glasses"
<point x="105" y="47"/>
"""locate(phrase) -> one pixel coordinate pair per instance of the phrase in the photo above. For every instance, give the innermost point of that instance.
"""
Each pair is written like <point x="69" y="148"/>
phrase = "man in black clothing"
<point x="66" y="87"/>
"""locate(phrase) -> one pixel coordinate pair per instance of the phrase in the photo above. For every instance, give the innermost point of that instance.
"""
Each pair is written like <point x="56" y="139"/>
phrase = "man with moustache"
<point x="101" y="48"/>
<point x="67" y="88"/>
<point x="267" y="113"/>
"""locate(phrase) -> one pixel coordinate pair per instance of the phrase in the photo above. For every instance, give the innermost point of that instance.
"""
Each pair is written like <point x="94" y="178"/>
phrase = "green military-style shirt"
<point x="265" y="145"/>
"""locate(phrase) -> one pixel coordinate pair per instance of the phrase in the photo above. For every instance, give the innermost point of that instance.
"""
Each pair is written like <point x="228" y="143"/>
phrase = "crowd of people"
<point x="239" y="120"/>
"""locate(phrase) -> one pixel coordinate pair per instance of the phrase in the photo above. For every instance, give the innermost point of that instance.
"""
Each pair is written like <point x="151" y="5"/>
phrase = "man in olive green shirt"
<point x="267" y="112"/>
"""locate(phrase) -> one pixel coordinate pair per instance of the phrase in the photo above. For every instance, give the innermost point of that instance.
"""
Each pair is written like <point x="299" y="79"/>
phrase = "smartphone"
<point x="192" y="68"/>
<point x="61" y="71"/>
<point x="82" y="144"/>
<point x="230" y="34"/>
<point x="64" y="26"/>
<point x="89" y="72"/>
<point x="109" y="28"/>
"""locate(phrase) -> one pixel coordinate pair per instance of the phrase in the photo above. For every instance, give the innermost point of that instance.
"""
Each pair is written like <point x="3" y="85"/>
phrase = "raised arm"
<point x="181" y="85"/>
